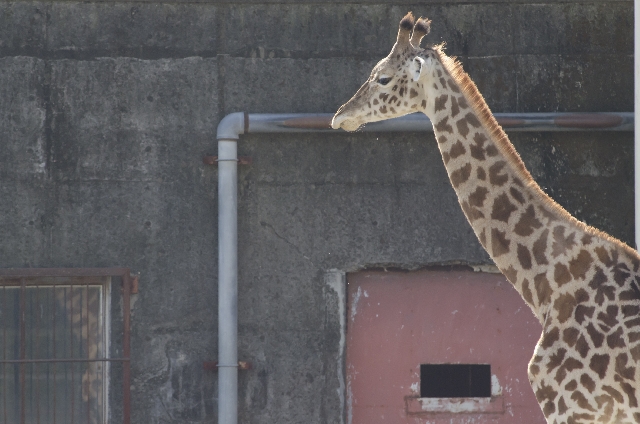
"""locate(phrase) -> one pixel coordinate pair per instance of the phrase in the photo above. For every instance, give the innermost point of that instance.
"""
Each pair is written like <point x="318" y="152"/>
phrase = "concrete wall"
<point x="106" y="110"/>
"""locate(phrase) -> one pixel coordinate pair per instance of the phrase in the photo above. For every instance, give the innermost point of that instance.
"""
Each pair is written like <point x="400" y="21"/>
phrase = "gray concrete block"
<point x="572" y="28"/>
<point x="289" y="85"/>
<point x="553" y="83"/>
<point x="310" y="30"/>
<point x="23" y="28"/>
<point x="126" y="119"/>
<point x="144" y="30"/>
<point x="23" y="146"/>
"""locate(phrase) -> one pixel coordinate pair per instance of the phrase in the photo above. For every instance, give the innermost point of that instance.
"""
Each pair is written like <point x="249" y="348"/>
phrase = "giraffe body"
<point x="581" y="283"/>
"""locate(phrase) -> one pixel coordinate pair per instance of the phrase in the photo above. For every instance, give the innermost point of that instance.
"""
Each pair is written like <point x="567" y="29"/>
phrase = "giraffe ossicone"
<point x="581" y="283"/>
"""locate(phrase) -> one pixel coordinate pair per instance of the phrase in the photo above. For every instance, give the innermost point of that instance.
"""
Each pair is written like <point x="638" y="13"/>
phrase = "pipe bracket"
<point x="213" y="160"/>
<point x="213" y="366"/>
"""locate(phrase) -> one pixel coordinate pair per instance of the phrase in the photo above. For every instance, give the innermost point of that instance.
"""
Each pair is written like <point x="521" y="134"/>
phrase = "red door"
<point x="398" y="321"/>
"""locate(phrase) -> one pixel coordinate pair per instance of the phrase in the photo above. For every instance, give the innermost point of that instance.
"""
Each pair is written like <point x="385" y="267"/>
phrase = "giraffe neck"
<point x="532" y="240"/>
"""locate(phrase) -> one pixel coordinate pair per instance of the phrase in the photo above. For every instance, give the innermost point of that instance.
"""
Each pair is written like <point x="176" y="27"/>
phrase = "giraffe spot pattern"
<point x="571" y="386"/>
<point x="583" y="312"/>
<point x="483" y="239"/>
<point x="543" y="288"/>
<point x="502" y="208"/>
<point x="511" y="274"/>
<point x="587" y="382"/>
<point x="482" y="174"/>
<point x="564" y="306"/>
<point x="631" y="393"/>
<point x="455" y="109"/>
<point x="582" y="401"/>
<point x="540" y="247"/>
<point x="562" y="406"/>
<point x="443" y="125"/>
<point x="462" y="102"/>
<point x="495" y="176"/>
<point x="570" y="336"/>
<point x="477" y="151"/>
<point x="550" y="337"/>
<point x="555" y="359"/>
<point x="526" y="292"/>
<point x="580" y="265"/>
<point x="499" y="242"/>
<point x="457" y="150"/>
<point x="460" y="175"/>
<point x="478" y="197"/>
<point x="561" y="274"/>
<point x="524" y="256"/>
<point x="462" y="126"/>
<point x="472" y="120"/>
<point x="613" y="392"/>
<point x="441" y="102"/>
<point x="616" y="339"/>
<point x="609" y="319"/>
<point x="527" y="223"/>
<point x="599" y="364"/>
<point x="518" y="197"/>
<point x="561" y="243"/>
<point x="582" y="346"/>
<point x="596" y="337"/>
<point x="621" y="367"/>
<point x="491" y="150"/>
<point x="471" y="213"/>
<point x="569" y="365"/>
<point x="453" y="86"/>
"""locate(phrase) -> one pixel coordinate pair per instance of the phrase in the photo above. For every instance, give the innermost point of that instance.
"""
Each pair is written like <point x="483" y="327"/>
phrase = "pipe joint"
<point x="232" y="126"/>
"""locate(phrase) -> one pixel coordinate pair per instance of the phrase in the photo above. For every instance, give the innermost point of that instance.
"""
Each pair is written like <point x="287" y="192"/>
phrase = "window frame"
<point x="8" y="276"/>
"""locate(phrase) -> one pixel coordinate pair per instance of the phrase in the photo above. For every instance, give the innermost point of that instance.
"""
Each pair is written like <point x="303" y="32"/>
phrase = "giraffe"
<point x="581" y="283"/>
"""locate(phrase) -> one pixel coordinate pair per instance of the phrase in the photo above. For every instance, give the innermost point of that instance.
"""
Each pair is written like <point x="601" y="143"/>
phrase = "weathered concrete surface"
<point x="106" y="110"/>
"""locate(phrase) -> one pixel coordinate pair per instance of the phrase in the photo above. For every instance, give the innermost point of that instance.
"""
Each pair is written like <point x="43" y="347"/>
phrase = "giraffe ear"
<point x="420" y="67"/>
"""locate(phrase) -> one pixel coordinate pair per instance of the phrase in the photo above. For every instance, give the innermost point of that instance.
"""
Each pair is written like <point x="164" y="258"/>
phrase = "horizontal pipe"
<point x="532" y="122"/>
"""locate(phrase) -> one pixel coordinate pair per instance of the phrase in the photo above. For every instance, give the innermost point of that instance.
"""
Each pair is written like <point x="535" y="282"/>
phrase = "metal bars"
<point x="55" y="357"/>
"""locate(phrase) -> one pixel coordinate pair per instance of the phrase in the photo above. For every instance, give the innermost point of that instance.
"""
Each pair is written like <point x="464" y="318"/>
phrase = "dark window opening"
<point x="455" y="380"/>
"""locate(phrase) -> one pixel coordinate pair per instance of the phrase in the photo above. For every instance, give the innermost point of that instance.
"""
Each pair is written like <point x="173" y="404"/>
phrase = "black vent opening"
<point x="455" y="380"/>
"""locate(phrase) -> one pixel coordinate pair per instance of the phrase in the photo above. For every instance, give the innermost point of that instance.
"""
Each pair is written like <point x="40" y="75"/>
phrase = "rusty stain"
<point x="213" y="365"/>
<point x="309" y="122"/>
<point x="510" y="122"/>
<point x="588" y="120"/>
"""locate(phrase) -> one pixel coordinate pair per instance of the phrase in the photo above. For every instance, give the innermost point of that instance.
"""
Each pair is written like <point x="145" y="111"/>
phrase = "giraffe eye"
<point x="384" y="80"/>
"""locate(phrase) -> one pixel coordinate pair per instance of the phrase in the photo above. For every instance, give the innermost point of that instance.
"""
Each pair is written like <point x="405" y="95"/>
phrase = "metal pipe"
<point x="228" y="133"/>
<point x="520" y="122"/>
<point x="229" y="130"/>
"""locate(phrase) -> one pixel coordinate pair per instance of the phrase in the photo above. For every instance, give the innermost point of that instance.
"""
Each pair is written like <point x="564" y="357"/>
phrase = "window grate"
<point x="455" y="380"/>
<point x="55" y="360"/>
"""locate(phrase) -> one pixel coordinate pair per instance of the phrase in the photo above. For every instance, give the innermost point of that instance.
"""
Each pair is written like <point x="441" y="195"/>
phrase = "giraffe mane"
<point x="488" y="121"/>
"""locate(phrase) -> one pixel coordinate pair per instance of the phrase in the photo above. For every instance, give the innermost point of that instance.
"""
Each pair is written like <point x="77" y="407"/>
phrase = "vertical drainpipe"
<point x="229" y="130"/>
<point x="636" y="145"/>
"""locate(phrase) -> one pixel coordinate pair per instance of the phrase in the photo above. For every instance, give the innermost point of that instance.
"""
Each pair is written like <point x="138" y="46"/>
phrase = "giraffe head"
<point x="395" y="86"/>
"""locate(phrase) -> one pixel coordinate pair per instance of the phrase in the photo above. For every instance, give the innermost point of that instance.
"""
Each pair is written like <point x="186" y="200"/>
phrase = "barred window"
<point x="61" y="356"/>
